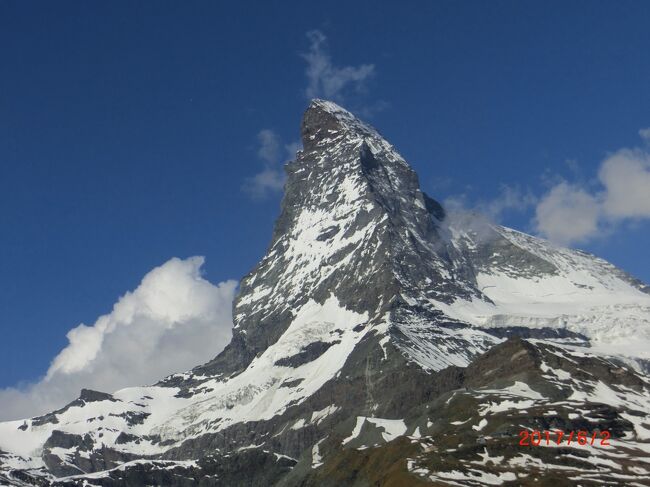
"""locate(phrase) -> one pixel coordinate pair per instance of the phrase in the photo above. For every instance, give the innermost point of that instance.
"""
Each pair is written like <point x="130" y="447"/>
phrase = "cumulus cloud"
<point x="325" y="80"/>
<point x="174" y="320"/>
<point x="572" y="213"/>
<point x="270" y="180"/>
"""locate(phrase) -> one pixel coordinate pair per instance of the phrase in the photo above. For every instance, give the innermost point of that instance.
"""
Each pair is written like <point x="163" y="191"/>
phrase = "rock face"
<point x="380" y="341"/>
<point x="354" y="225"/>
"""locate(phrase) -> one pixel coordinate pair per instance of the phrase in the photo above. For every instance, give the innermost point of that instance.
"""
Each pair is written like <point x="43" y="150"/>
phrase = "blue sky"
<point x="130" y="131"/>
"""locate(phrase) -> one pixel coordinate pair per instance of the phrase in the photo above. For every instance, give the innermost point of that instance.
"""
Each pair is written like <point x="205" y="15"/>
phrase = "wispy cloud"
<point x="479" y="216"/>
<point x="269" y="146"/>
<point x="268" y="181"/>
<point x="174" y="320"/>
<point x="326" y="80"/>
<point x="572" y="213"/>
<point x="273" y="153"/>
<point x="510" y="199"/>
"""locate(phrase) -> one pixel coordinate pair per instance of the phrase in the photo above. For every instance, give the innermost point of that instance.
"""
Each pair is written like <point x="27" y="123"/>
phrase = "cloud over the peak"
<point x="174" y="320"/>
<point x="326" y="80"/>
<point x="573" y="213"/>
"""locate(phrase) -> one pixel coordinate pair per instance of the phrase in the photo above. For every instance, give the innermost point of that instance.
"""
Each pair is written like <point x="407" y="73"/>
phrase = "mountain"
<point x="381" y="340"/>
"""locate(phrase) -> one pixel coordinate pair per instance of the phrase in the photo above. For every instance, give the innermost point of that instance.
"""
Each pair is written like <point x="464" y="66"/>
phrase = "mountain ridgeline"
<point x="381" y="340"/>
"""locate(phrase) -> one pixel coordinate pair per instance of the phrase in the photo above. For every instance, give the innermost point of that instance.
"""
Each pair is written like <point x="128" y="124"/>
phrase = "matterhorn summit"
<point x="381" y="340"/>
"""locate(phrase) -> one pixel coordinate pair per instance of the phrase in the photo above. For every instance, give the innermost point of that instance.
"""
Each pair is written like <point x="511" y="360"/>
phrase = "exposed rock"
<point x="309" y="353"/>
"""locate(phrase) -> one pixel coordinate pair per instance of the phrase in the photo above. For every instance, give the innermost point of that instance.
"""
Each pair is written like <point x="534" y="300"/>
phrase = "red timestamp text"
<point x="560" y="437"/>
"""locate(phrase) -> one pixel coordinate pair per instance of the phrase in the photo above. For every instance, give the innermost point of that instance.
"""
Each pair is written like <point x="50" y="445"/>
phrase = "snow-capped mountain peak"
<point x="373" y="315"/>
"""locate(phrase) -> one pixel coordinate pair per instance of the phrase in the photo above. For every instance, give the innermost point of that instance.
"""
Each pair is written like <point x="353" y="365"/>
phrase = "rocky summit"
<point x="381" y="341"/>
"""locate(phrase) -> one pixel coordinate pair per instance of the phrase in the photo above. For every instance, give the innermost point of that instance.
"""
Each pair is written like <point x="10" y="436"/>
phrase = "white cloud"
<point x="571" y="213"/>
<point x="626" y="178"/>
<point x="325" y="80"/>
<point x="174" y="320"/>
<point x="567" y="214"/>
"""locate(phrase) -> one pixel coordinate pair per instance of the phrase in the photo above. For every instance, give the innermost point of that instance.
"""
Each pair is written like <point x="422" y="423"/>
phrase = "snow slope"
<point x="584" y="294"/>
<point x="258" y="393"/>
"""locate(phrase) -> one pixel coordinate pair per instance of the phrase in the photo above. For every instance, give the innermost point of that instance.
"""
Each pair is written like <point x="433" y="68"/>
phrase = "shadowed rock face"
<point x="354" y="359"/>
